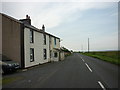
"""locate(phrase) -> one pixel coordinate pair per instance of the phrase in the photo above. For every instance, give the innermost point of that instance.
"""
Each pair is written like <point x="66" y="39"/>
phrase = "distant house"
<point x="27" y="44"/>
<point x="66" y="51"/>
<point x="54" y="48"/>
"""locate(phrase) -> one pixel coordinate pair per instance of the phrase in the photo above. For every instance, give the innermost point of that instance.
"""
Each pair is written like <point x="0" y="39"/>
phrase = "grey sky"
<point x="73" y="22"/>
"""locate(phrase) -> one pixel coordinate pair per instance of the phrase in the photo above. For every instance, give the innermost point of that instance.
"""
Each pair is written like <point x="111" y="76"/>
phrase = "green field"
<point x="109" y="56"/>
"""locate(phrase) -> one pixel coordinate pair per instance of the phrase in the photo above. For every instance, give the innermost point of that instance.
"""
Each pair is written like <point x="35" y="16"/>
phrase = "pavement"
<point x="76" y="71"/>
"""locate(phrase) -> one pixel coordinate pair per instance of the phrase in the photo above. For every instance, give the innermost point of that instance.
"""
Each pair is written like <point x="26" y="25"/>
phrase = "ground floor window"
<point x="31" y="54"/>
<point x="45" y="53"/>
<point x="55" y="54"/>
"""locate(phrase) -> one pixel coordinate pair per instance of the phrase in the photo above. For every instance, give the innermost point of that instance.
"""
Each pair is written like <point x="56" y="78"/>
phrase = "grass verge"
<point x="10" y="79"/>
<point x="112" y="57"/>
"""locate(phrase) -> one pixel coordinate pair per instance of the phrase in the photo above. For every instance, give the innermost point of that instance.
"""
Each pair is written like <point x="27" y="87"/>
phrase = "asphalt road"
<point x="76" y="71"/>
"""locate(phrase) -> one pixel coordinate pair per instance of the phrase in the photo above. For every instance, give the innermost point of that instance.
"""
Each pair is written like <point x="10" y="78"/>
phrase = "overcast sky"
<point x="72" y="21"/>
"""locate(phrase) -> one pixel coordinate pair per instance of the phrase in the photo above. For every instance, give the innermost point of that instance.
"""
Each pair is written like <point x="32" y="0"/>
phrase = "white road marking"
<point x="81" y="57"/>
<point x="88" y="67"/>
<point x="83" y="60"/>
<point x="101" y="85"/>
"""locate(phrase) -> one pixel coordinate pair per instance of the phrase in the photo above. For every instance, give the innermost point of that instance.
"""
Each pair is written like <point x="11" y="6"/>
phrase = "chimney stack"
<point x="43" y="27"/>
<point x="27" y="20"/>
<point x="27" y="17"/>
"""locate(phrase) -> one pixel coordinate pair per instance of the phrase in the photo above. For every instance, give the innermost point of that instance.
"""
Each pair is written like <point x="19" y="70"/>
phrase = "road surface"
<point x="76" y="71"/>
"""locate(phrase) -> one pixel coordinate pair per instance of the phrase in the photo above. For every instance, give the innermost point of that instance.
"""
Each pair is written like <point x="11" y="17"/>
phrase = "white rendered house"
<point x="27" y="44"/>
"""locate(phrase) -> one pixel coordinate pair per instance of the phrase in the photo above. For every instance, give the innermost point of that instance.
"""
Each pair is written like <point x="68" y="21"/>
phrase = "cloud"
<point x="109" y="41"/>
<point x="114" y="14"/>
<point x="54" y="14"/>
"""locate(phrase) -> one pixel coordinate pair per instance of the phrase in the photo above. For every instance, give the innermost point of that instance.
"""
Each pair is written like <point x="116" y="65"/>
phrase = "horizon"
<point x="99" y="51"/>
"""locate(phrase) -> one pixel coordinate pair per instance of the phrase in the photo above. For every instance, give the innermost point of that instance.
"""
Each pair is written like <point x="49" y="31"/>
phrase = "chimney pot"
<point x="26" y="16"/>
<point x="43" y="27"/>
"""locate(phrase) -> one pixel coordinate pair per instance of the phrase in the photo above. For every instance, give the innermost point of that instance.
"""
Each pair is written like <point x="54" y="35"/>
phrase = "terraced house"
<point x="27" y="44"/>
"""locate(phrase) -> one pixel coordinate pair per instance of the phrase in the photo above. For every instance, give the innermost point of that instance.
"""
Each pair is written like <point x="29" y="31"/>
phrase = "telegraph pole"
<point x="88" y="44"/>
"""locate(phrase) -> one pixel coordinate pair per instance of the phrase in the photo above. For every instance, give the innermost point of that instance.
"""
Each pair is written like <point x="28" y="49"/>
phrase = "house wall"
<point x="54" y="48"/>
<point x="57" y="46"/>
<point x="11" y="39"/>
<point x="57" y="43"/>
<point x="62" y="55"/>
<point x="38" y="46"/>
<point x="47" y="48"/>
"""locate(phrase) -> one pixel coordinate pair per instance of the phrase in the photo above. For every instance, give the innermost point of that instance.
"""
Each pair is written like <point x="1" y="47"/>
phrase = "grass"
<point x="10" y="79"/>
<point x="109" y="56"/>
<point x="0" y="80"/>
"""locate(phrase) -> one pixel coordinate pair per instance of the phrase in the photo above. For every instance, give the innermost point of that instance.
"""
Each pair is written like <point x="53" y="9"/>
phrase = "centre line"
<point x="81" y="57"/>
<point x="101" y="85"/>
<point x="83" y="60"/>
<point x="88" y="67"/>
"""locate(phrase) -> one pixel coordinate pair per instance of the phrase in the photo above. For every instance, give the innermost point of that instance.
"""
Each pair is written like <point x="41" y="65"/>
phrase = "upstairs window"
<point x="55" y="41"/>
<point x="45" y="53"/>
<point x="44" y="39"/>
<point x="31" y="36"/>
<point x="31" y="54"/>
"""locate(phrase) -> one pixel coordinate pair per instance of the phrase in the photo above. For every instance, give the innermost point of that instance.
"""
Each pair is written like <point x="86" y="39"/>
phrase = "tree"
<point x="65" y="49"/>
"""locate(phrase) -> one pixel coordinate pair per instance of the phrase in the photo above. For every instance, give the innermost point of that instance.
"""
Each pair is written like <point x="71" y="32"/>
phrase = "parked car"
<point x="8" y="65"/>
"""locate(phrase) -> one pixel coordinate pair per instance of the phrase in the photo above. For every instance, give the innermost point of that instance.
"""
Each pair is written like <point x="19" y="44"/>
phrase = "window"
<point x="55" y="41"/>
<point x="45" y="54"/>
<point x="55" y="54"/>
<point x="31" y="54"/>
<point x="31" y="36"/>
<point x="44" y="39"/>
